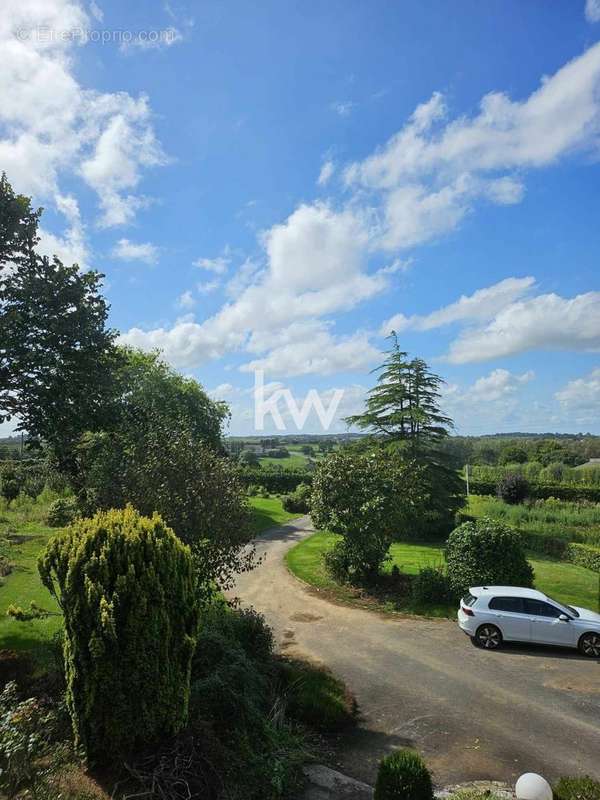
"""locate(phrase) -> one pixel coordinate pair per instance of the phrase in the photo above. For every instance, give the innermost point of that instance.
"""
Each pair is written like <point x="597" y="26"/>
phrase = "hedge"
<point x="583" y="555"/>
<point x="540" y="491"/>
<point x="277" y="482"/>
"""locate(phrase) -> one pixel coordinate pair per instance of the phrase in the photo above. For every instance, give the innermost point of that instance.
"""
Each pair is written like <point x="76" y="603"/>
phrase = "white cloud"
<point x="224" y="391"/>
<point x="592" y="10"/>
<point x="429" y="175"/>
<point x="218" y="265"/>
<point x="316" y="264"/>
<point x="326" y="173"/>
<point x="126" y="250"/>
<point x="498" y="384"/>
<point x="482" y="305"/>
<point x="71" y="248"/>
<point x="51" y="126"/>
<point x="582" y="394"/>
<point x="308" y="348"/>
<point x="545" y="322"/>
<point x="96" y="11"/>
<point x="186" y="300"/>
<point x="343" y="107"/>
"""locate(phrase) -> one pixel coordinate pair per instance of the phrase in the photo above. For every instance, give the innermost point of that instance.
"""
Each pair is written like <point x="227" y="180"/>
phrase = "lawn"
<point x="25" y="524"/>
<point x="30" y="535"/>
<point x="268" y="512"/>
<point x="565" y="582"/>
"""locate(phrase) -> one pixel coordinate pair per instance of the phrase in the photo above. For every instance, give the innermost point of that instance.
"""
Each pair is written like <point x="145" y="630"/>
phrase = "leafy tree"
<point x="126" y="586"/>
<point x="486" y="552"/>
<point x="513" y="454"/>
<point x="249" y="458"/>
<point x="368" y="498"/>
<point x="56" y="354"/>
<point x="403" y="410"/>
<point x="162" y="453"/>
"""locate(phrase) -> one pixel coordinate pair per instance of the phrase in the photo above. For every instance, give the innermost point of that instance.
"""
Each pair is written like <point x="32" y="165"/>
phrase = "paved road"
<point x="473" y="714"/>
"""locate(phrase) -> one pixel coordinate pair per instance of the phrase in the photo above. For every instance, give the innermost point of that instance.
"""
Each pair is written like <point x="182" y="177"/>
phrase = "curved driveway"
<point x="473" y="714"/>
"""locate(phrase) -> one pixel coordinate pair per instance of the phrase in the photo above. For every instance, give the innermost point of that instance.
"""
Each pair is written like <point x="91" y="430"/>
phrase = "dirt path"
<point x="473" y="714"/>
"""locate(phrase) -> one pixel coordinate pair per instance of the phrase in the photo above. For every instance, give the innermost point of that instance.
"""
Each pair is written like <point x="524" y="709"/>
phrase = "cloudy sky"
<point x="275" y="186"/>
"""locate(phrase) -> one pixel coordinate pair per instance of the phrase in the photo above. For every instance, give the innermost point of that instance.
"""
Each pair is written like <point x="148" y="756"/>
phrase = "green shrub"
<point x="486" y="552"/>
<point x="316" y="697"/>
<point x="298" y="502"/>
<point x="61" y="512"/>
<point x="577" y="789"/>
<point x="237" y="711"/>
<point x="276" y="481"/>
<point x="431" y="586"/>
<point x="29" y="730"/>
<point x="513" y="489"/>
<point x="127" y="589"/>
<point x="583" y="555"/>
<point x="403" y="776"/>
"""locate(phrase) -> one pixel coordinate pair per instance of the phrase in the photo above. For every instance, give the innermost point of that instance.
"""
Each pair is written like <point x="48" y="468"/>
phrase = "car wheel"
<point x="488" y="637"/>
<point x="589" y="645"/>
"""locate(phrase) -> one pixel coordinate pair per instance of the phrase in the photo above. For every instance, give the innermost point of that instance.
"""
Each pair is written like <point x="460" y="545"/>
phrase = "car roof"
<point x="507" y="591"/>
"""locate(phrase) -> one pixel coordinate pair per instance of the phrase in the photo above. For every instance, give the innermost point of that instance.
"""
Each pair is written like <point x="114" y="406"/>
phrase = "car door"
<point x="508" y="613"/>
<point x="546" y="625"/>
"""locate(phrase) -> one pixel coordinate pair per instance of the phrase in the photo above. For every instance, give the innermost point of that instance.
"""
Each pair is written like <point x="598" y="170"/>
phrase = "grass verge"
<point x="565" y="582"/>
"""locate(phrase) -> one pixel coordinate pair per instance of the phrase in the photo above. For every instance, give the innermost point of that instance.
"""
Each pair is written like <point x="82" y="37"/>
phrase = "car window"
<point x="514" y="604"/>
<point x="540" y="609"/>
<point x="469" y="599"/>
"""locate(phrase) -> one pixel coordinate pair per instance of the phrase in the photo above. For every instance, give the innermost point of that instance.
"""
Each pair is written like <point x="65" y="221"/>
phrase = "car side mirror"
<point x="564" y="618"/>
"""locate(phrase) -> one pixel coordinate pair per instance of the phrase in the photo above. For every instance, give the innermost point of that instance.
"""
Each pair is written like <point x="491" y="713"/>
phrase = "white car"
<point x="491" y="615"/>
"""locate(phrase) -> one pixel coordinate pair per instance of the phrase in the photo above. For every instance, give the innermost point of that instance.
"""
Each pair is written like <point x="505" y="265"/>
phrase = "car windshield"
<point x="567" y="609"/>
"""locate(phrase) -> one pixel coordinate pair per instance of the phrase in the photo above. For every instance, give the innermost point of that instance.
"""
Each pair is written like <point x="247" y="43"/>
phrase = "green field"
<point x="293" y="461"/>
<point x="25" y="525"/>
<point x="565" y="582"/>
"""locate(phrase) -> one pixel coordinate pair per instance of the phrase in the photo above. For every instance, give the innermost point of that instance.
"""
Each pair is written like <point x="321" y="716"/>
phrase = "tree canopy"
<point x="56" y="352"/>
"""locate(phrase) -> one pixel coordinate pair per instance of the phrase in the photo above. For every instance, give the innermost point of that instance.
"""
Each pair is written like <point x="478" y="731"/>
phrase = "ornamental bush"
<point x="298" y="502"/>
<point x="126" y="585"/>
<point x="486" y="552"/>
<point x="403" y="776"/>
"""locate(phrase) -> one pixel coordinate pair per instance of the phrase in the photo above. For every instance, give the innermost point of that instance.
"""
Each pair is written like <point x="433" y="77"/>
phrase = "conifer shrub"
<point x="403" y="776"/>
<point x="127" y="588"/>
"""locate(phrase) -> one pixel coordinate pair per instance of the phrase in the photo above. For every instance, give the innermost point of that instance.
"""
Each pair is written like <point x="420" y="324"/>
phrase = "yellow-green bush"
<point x="126" y="585"/>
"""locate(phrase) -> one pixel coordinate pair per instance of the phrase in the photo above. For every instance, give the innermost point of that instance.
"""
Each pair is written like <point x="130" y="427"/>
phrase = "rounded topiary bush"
<point x="403" y="776"/>
<point x="486" y="552"/>
<point x="513" y="489"/>
<point x="127" y="588"/>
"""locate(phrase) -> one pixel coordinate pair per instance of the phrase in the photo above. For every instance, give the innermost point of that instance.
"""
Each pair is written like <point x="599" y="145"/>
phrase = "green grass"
<point x="296" y="461"/>
<point x="268" y="512"/>
<point x="24" y="523"/>
<point x="316" y="697"/>
<point x="564" y="582"/>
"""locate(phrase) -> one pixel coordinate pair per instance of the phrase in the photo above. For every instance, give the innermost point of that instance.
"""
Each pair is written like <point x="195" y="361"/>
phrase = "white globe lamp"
<point x="533" y="787"/>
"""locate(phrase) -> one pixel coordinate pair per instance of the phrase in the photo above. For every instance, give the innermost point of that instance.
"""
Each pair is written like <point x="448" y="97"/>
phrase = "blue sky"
<point x="276" y="185"/>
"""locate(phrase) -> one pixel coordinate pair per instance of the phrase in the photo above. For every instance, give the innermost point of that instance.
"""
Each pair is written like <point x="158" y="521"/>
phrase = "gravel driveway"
<point x="473" y="714"/>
